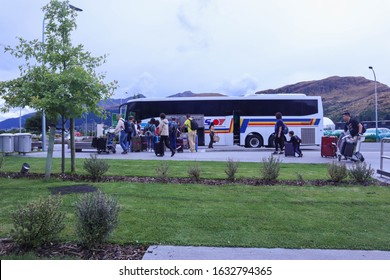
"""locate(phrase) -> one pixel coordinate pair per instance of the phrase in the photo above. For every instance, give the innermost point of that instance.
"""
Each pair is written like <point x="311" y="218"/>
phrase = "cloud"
<point x="144" y="84"/>
<point x="193" y="17"/>
<point x="246" y="84"/>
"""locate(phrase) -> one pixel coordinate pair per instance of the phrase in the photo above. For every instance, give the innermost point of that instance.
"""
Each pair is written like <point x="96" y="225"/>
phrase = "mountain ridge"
<point x="339" y="94"/>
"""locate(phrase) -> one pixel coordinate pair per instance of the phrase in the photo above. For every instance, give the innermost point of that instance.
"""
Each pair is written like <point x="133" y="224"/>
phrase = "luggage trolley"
<point x="105" y="144"/>
<point x="349" y="147"/>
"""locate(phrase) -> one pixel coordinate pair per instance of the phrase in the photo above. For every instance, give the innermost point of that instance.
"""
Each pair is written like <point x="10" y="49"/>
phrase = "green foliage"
<point x="1" y="162"/>
<point x="337" y="171"/>
<point x="162" y="170"/>
<point x="300" y="178"/>
<point x="38" y="222"/>
<point x="194" y="172"/>
<point x="270" y="168"/>
<point x="96" y="167"/>
<point x="231" y="169"/>
<point x="97" y="217"/>
<point x="34" y="123"/>
<point x="361" y="172"/>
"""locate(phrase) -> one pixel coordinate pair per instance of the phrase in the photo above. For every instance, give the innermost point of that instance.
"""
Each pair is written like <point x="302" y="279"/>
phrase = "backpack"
<point x="285" y="129"/>
<point x="128" y="128"/>
<point x="193" y="125"/>
<point x="133" y="130"/>
<point x="299" y="141"/>
<point x="172" y="127"/>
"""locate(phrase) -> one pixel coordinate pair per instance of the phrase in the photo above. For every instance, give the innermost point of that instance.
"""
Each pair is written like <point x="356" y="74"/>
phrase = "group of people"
<point x="166" y="131"/>
<point x="352" y="129"/>
<point x="280" y="130"/>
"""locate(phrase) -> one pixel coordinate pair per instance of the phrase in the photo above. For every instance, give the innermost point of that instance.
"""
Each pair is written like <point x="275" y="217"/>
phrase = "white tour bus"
<point x="247" y="121"/>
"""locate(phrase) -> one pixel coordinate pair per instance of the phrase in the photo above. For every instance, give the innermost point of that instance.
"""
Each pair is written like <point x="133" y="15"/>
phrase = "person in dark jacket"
<point x="296" y="142"/>
<point x="279" y="136"/>
<point x="212" y="133"/>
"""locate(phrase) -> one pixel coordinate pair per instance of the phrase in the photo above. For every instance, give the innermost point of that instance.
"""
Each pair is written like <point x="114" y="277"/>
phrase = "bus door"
<point x="236" y="127"/>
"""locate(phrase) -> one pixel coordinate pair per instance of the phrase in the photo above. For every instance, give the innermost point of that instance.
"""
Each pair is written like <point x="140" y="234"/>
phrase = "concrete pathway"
<point x="216" y="253"/>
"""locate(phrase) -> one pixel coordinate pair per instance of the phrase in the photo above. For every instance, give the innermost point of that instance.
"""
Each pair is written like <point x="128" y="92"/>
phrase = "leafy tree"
<point x="34" y="123"/>
<point x="57" y="76"/>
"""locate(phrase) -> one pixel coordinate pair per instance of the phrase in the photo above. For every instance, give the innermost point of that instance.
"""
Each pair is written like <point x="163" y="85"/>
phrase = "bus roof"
<point x="248" y="97"/>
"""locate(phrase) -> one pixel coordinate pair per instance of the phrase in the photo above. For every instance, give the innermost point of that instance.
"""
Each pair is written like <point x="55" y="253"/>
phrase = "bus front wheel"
<point x="254" y="141"/>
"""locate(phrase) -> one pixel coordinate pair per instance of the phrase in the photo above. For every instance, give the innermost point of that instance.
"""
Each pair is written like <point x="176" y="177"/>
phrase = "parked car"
<point x="336" y="132"/>
<point x="382" y="133"/>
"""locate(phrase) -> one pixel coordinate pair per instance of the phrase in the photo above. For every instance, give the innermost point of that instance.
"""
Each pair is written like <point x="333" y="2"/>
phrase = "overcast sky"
<point x="162" y="47"/>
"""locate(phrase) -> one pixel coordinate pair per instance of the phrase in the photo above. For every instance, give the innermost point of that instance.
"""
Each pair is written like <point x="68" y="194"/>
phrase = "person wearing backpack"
<point x="172" y="132"/>
<point x="192" y="126"/>
<point x="280" y="130"/>
<point x="296" y="142"/>
<point x="131" y="132"/>
<point x="121" y="129"/>
<point x="149" y="131"/>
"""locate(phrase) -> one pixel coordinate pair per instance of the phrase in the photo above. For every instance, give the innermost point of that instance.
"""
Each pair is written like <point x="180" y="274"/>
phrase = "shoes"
<point x="124" y="152"/>
<point x="281" y="152"/>
<point x="173" y="153"/>
<point x="301" y="155"/>
<point x="275" y="153"/>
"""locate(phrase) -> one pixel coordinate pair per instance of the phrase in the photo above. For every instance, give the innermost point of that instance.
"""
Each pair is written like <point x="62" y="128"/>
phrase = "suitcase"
<point x="136" y="144"/>
<point x="328" y="146"/>
<point x="348" y="149"/>
<point x="289" y="150"/>
<point x="179" y="145"/>
<point x="144" y="143"/>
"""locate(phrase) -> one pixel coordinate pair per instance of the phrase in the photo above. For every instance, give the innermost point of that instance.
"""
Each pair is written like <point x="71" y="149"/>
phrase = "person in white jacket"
<point x="164" y="134"/>
<point x="120" y="128"/>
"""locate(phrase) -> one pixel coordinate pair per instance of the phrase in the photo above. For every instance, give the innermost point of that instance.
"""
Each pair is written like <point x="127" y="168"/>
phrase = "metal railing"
<point x="381" y="171"/>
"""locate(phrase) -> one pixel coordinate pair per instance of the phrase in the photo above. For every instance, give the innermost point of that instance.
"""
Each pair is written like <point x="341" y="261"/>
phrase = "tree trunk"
<point x="72" y="147"/>
<point x="49" y="157"/>
<point x="62" y="146"/>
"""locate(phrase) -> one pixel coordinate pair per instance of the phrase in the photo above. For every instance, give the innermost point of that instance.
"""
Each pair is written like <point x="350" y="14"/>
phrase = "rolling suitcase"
<point x="144" y="143"/>
<point x="328" y="146"/>
<point x="179" y="145"/>
<point x="289" y="150"/>
<point x="136" y="144"/>
<point x="348" y="149"/>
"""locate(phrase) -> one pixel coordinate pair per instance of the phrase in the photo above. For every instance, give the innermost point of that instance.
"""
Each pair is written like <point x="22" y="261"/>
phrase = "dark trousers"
<point x="297" y="148"/>
<point x="211" y="139"/>
<point x="165" y="140"/>
<point x="172" y="140"/>
<point x="279" y="143"/>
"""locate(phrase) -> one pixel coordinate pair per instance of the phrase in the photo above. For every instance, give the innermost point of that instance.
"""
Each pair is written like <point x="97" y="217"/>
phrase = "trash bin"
<point x="23" y="142"/>
<point x="7" y="143"/>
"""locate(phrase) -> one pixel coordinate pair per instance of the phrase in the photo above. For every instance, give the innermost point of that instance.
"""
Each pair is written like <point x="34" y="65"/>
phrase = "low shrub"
<point x="300" y="179"/>
<point x="231" y="169"/>
<point x="96" y="167"/>
<point x="337" y="171"/>
<point x="194" y="172"/>
<point x="38" y="223"/>
<point x="270" y="168"/>
<point x="97" y="217"/>
<point x="162" y="171"/>
<point x="361" y="172"/>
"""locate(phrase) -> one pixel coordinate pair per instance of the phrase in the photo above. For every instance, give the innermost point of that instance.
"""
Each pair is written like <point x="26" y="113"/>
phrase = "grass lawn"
<point x="146" y="168"/>
<point x="232" y="215"/>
